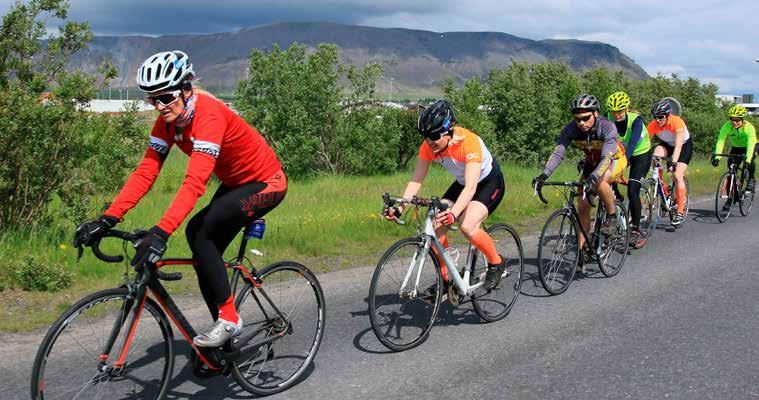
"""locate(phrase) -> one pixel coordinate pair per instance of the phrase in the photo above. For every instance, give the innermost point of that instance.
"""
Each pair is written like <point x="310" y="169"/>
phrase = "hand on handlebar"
<point x="715" y="161"/>
<point x="445" y="218"/>
<point x="89" y="232"/>
<point x="538" y="181"/>
<point x="671" y="166"/>
<point x="150" y="247"/>
<point x="392" y="213"/>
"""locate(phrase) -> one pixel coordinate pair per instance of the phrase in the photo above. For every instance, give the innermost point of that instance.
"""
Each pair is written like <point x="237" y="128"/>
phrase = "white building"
<point x="100" y="106"/>
<point x="745" y="100"/>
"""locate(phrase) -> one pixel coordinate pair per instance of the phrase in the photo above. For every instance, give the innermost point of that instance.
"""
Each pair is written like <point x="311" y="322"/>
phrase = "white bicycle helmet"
<point x="164" y="70"/>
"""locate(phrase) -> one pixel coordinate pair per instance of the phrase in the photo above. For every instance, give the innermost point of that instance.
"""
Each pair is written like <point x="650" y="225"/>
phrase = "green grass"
<point x="328" y="223"/>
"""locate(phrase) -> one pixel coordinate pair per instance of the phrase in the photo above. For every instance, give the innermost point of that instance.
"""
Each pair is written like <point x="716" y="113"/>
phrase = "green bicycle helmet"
<point x="618" y="101"/>
<point x="737" y="111"/>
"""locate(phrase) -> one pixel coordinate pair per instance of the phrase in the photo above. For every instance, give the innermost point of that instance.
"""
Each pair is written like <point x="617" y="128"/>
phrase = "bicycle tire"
<point x="722" y="195"/>
<point x="383" y="297"/>
<point x="277" y="366"/>
<point x="557" y="274"/>
<point x="656" y="207"/>
<point x="127" y="381"/>
<point x="494" y="305"/>
<point x="616" y="244"/>
<point x="646" y="223"/>
<point x="747" y="201"/>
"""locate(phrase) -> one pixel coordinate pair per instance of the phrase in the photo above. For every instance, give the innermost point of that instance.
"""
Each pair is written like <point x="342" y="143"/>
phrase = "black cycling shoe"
<point x="750" y="186"/>
<point x="494" y="274"/>
<point x="678" y="219"/>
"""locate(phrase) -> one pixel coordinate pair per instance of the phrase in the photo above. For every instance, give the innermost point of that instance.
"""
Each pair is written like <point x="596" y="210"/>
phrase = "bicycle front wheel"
<point x="289" y="308"/>
<point x="646" y="211"/>
<point x="558" y="252"/>
<point x="723" y="198"/>
<point x="653" y="220"/>
<point x="493" y="305"/>
<point x="404" y="300"/>
<point x="72" y="362"/>
<point x="613" y="250"/>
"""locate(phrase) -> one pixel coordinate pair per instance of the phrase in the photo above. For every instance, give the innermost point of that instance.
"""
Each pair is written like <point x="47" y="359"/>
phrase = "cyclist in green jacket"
<point x="743" y="141"/>
<point x="634" y="136"/>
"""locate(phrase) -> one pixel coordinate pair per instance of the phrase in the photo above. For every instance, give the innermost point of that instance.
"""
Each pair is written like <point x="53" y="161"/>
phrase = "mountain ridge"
<point x="418" y="60"/>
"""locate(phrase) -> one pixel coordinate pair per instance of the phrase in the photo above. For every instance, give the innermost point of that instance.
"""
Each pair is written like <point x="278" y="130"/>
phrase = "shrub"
<point x="35" y="275"/>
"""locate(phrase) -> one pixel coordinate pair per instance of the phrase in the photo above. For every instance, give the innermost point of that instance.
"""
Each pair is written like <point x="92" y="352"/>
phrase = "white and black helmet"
<point x="584" y="103"/>
<point x="164" y="70"/>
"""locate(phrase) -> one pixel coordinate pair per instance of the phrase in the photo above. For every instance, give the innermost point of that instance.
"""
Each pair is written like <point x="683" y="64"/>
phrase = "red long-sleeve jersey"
<point x="217" y="141"/>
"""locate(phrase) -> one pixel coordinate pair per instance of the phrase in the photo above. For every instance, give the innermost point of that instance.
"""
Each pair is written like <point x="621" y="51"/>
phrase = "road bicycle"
<point x="732" y="190"/>
<point x="663" y="197"/>
<point x="118" y="343"/>
<point x="407" y="287"/>
<point x="558" y="249"/>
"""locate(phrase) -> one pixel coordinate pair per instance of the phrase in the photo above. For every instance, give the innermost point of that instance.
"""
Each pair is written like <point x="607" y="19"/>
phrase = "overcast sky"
<point x="715" y="41"/>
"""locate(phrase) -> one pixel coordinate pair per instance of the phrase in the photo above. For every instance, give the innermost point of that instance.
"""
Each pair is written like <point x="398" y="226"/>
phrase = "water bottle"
<point x="255" y="229"/>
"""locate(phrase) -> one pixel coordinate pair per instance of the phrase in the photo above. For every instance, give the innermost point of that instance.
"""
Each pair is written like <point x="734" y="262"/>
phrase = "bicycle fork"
<point x="133" y="310"/>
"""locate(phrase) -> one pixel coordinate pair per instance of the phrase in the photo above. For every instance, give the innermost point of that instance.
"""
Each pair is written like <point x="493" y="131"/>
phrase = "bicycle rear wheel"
<point x="403" y="315"/>
<point x="723" y="198"/>
<point x="288" y="305"/>
<point x="68" y="363"/>
<point x="558" y="252"/>
<point x="613" y="250"/>
<point x="747" y="202"/>
<point x="493" y="305"/>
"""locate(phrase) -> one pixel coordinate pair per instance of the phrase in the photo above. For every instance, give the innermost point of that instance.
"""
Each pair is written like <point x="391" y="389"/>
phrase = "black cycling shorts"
<point x="685" y="153"/>
<point x="489" y="190"/>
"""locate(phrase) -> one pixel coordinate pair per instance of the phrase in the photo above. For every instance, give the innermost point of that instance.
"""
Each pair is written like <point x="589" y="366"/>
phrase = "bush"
<point x="49" y="148"/>
<point x="35" y="275"/>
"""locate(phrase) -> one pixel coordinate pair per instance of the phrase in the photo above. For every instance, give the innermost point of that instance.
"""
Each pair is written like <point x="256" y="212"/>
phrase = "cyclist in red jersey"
<point x="217" y="141"/>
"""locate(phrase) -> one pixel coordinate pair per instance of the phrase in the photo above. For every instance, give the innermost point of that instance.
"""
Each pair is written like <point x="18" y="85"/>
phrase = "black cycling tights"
<point x="639" y="166"/>
<point x="741" y="151"/>
<point x="212" y="229"/>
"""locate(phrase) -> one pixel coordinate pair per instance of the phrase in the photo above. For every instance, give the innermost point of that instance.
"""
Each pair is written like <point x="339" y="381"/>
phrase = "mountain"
<point x="417" y="60"/>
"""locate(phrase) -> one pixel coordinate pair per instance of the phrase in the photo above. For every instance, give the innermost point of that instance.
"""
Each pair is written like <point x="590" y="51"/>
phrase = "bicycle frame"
<point x="431" y="241"/>
<point x="147" y="280"/>
<point x="663" y="198"/>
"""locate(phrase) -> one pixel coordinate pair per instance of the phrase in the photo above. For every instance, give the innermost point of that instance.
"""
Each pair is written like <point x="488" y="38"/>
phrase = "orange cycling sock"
<point x="680" y="194"/>
<point x="444" y="241"/>
<point x="484" y="243"/>
<point x="228" y="312"/>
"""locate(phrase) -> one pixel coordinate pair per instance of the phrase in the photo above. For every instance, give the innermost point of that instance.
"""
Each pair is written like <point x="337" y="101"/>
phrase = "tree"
<point x="47" y="143"/>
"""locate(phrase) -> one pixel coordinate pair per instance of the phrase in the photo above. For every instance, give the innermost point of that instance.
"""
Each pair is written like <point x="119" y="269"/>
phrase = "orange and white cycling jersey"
<point x="666" y="133"/>
<point x="464" y="147"/>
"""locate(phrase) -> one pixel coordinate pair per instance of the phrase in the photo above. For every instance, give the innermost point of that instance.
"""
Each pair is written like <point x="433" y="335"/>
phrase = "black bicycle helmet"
<point x="661" y="107"/>
<point x="436" y="119"/>
<point x="585" y="103"/>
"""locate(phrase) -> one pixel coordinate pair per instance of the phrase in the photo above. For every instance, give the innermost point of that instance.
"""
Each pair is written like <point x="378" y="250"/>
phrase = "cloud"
<point x="707" y="39"/>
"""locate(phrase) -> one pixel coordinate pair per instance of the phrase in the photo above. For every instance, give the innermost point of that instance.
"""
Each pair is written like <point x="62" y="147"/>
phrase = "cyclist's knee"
<point x="469" y="228"/>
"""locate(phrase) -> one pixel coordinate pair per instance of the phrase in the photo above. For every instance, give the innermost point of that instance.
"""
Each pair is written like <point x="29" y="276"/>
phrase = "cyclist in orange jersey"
<point x="674" y="142"/>
<point x="476" y="192"/>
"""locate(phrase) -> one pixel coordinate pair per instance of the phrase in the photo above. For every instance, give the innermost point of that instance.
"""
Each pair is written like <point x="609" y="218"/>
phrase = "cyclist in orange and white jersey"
<point x="477" y="190"/>
<point x="674" y="141"/>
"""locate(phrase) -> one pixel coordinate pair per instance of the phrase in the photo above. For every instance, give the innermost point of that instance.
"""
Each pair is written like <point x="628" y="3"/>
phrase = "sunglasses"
<point x="434" y="136"/>
<point x="165" y="99"/>
<point x="660" y="117"/>
<point x="736" y="119"/>
<point x="583" y="119"/>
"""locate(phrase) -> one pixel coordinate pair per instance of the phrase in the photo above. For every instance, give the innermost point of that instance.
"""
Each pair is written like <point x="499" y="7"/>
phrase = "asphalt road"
<point x="681" y="321"/>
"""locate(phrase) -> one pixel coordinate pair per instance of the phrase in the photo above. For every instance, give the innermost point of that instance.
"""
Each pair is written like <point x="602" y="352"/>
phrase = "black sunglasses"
<point x="583" y="119"/>
<point x="434" y="136"/>
<point x="660" y="117"/>
<point x="736" y="119"/>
